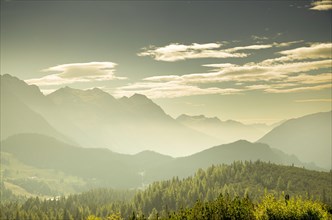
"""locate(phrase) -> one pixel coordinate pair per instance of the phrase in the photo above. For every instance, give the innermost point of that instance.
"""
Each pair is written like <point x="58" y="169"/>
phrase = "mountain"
<point x="94" y="118"/>
<point x="307" y="137"/>
<point x="239" y="179"/>
<point x="126" y="125"/>
<point x="225" y="131"/>
<point x="104" y="168"/>
<point x="243" y="190"/>
<point x="241" y="150"/>
<point x="100" y="167"/>
<point x="28" y="94"/>
<point x="17" y="117"/>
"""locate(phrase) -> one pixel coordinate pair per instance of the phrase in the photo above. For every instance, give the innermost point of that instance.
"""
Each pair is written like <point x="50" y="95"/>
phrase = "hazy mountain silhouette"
<point x="93" y="118"/>
<point x="227" y="153"/>
<point x="307" y="137"/>
<point x="17" y="117"/>
<point x="103" y="167"/>
<point x="126" y="125"/>
<point x="28" y="94"/>
<point x="226" y="131"/>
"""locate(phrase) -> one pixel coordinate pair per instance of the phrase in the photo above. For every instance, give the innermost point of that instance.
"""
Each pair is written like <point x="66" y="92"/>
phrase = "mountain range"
<point x="104" y="168"/>
<point x="93" y="118"/>
<point x="227" y="131"/>
<point x="97" y="140"/>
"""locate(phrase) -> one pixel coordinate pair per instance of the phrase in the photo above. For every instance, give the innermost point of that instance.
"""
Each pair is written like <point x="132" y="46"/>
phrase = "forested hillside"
<point x="242" y="184"/>
<point x="238" y="179"/>
<point x="41" y="165"/>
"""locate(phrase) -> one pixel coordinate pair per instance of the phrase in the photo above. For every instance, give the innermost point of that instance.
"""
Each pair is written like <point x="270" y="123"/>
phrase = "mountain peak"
<point x="242" y="141"/>
<point x="65" y="89"/>
<point x="232" y="122"/>
<point x="21" y="89"/>
<point x="139" y="97"/>
<point x="78" y="94"/>
<point x="185" y="117"/>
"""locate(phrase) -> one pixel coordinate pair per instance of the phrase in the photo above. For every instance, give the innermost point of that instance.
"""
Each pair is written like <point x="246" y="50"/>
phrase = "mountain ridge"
<point x="94" y="118"/>
<point x="100" y="166"/>
<point x="310" y="132"/>
<point x="226" y="131"/>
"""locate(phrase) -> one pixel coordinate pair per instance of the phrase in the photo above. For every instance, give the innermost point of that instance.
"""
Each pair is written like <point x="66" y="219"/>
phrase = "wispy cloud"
<point x="314" y="100"/>
<point x="322" y="5"/>
<point x="300" y="70"/>
<point x="259" y="38"/>
<point x="76" y="72"/>
<point x="170" y="90"/>
<point x="176" y="52"/>
<point x="300" y="89"/>
<point x="250" y="72"/>
<point x="314" y="51"/>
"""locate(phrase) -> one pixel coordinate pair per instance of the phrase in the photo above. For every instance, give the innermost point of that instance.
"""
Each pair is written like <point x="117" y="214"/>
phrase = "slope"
<point x="225" y="154"/>
<point x="102" y="167"/>
<point x="126" y="125"/>
<point x="307" y="137"/>
<point x="97" y="167"/>
<point x="17" y="118"/>
<point x="225" y="131"/>
<point x="20" y="110"/>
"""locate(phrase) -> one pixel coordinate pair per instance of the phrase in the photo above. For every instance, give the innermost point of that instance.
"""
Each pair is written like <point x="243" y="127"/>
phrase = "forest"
<point x="242" y="190"/>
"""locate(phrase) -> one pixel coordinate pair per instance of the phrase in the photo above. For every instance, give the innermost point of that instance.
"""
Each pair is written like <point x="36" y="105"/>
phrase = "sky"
<point x="251" y="61"/>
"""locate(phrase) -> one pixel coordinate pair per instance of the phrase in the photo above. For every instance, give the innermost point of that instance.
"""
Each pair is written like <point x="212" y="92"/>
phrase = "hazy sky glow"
<point x="245" y="60"/>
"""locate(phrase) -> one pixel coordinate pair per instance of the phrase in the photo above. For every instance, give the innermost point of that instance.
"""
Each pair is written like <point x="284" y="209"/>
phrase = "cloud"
<point x="311" y="79"/>
<point x="255" y="37"/>
<point x="274" y="79"/>
<point x="301" y="70"/>
<point x="175" y="52"/>
<point x="170" y="90"/>
<point x="250" y="47"/>
<point x="77" y="72"/>
<point x="299" y="89"/>
<point x="322" y="5"/>
<point x="314" y="100"/>
<point x="248" y="72"/>
<point x="314" y="51"/>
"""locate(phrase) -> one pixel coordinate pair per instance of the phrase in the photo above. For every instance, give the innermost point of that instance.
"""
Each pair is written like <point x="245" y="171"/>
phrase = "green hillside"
<point x="103" y="168"/>
<point x="232" y="190"/>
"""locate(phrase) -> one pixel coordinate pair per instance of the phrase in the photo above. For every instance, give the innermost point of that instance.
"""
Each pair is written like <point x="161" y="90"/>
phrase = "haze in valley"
<point x="123" y="93"/>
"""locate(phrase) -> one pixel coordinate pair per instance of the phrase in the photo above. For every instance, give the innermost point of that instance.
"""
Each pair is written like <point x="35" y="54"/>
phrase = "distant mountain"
<point x="99" y="166"/>
<point x="17" y="117"/>
<point x="93" y="118"/>
<point x="307" y="137"/>
<point x="226" y="131"/>
<point x="102" y="167"/>
<point x="125" y="125"/>
<point x="226" y="154"/>
<point x="28" y="94"/>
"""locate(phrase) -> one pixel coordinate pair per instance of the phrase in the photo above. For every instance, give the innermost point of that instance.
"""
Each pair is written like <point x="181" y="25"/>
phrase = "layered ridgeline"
<point x="18" y="117"/>
<point x="226" y="131"/>
<point x="38" y="160"/>
<point x="307" y="137"/>
<point x="222" y="184"/>
<point x="93" y="118"/>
